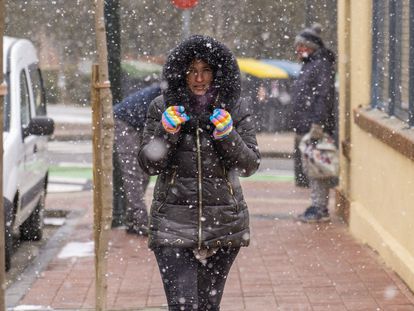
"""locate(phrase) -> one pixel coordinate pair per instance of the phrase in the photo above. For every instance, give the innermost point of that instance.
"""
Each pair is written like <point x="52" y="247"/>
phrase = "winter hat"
<point x="310" y="37"/>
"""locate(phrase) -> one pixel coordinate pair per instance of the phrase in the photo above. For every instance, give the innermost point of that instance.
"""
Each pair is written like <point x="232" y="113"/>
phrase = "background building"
<point x="376" y="62"/>
<point x="261" y="29"/>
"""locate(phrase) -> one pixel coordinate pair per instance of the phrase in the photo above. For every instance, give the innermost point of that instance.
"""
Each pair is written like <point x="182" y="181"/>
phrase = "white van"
<point x="25" y="137"/>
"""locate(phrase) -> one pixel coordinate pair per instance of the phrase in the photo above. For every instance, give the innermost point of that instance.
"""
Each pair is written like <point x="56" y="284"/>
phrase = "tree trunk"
<point x="2" y="230"/>
<point x="113" y="37"/>
<point x="103" y="144"/>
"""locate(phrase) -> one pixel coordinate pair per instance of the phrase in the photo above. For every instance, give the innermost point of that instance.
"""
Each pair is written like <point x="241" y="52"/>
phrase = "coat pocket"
<point x="231" y="189"/>
<point x="167" y="190"/>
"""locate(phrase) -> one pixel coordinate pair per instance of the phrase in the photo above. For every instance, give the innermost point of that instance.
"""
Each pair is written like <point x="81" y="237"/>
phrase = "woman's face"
<point x="302" y="51"/>
<point x="199" y="77"/>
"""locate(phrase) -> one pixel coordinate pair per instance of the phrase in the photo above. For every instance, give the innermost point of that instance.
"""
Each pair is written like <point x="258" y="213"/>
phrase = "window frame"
<point x="392" y="103"/>
<point x="38" y="86"/>
<point x="7" y="105"/>
<point x="24" y="86"/>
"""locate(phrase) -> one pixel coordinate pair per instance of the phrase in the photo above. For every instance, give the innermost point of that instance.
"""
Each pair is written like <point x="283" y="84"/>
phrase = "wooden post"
<point x="103" y="130"/>
<point x="3" y="91"/>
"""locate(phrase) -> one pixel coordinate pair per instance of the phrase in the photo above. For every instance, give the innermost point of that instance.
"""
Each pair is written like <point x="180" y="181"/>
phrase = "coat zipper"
<point x="200" y="193"/>
<point x="230" y="189"/>
<point x="170" y="184"/>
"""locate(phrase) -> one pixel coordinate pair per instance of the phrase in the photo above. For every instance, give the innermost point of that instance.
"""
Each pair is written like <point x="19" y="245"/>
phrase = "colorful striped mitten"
<point x="222" y="121"/>
<point x="173" y="117"/>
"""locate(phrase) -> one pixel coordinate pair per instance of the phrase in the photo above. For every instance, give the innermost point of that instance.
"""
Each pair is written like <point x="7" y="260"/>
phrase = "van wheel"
<point x="32" y="228"/>
<point x="8" y="235"/>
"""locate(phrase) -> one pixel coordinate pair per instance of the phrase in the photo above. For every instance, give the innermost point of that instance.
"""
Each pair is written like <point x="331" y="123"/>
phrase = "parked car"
<point x="25" y="137"/>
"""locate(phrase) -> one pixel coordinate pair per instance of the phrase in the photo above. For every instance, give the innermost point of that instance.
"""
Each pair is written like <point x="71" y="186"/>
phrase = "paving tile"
<point x="316" y="281"/>
<point x="288" y="266"/>
<point x="257" y="290"/>
<point x="391" y="295"/>
<point x="296" y="306"/>
<point x="285" y="277"/>
<point x="345" y="278"/>
<point x="333" y="307"/>
<point x="265" y="303"/>
<point x="129" y="301"/>
<point x="352" y="291"/>
<point x="155" y="301"/>
<point x="232" y="302"/>
<point x="408" y="307"/>
<point x="322" y="295"/>
<point x="292" y="298"/>
<point x="43" y="297"/>
<point x="362" y="303"/>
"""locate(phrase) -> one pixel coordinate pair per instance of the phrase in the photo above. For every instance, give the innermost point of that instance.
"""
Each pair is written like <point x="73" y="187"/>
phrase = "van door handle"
<point x="34" y="148"/>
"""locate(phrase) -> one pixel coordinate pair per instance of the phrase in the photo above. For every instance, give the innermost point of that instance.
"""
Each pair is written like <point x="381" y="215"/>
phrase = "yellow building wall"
<point x="379" y="181"/>
<point x="382" y="206"/>
<point x="344" y="64"/>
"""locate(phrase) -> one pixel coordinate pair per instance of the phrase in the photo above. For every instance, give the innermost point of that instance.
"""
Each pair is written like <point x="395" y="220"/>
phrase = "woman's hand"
<point x="222" y="121"/>
<point x="173" y="117"/>
<point x="316" y="131"/>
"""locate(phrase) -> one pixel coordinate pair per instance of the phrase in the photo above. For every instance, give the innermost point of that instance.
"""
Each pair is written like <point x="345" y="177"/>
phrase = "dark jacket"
<point x="198" y="200"/>
<point x="313" y="93"/>
<point x="133" y="109"/>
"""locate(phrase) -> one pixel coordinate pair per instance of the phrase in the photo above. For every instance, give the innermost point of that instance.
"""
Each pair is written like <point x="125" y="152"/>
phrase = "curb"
<point x="72" y="132"/>
<point x="277" y="154"/>
<point x="19" y="288"/>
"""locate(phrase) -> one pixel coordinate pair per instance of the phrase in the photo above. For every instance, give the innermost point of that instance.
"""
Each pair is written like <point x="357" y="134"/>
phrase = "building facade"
<point x="376" y="74"/>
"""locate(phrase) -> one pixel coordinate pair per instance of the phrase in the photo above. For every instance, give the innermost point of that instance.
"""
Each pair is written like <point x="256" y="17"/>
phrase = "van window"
<point x="6" y="104"/>
<point x="24" y="101"/>
<point x="38" y="90"/>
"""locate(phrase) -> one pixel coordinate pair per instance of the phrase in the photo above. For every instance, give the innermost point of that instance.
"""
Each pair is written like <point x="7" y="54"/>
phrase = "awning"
<point x="260" y="69"/>
<point x="291" y="68"/>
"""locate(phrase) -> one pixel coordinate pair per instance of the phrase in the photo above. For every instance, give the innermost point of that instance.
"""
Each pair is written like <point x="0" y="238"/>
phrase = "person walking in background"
<point x="199" y="139"/>
<point x="313" y="98"/>
<point x="129" y="116"/>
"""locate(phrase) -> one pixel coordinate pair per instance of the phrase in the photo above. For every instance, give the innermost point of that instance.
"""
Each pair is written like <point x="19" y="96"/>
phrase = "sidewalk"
<point x="276" y="145"/>
<point x="288" y="266"/>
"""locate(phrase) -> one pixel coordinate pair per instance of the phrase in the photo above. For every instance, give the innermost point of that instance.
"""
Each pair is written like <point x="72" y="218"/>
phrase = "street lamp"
<point x="185" y="5"/>
<point x="308" y="11"/>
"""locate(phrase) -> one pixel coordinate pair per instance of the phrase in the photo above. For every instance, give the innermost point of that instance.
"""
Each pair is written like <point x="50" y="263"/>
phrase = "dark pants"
<point x="320" y="192"/>
<point x="301" y="180"/>
<point x="190" y="284"/>
<point x="134" y="180"/>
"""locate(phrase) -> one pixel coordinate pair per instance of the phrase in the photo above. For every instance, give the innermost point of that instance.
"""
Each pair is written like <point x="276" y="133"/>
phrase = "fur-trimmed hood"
<point x="225" y="70"/>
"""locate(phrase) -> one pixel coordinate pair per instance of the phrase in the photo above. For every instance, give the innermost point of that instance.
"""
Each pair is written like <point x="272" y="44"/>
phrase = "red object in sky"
<point x="184" y="4"/>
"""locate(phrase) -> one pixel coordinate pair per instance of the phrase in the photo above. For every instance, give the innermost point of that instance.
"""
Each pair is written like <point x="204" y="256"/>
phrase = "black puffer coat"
<point x="198" y="200"/>
<point x="313" y="93"/>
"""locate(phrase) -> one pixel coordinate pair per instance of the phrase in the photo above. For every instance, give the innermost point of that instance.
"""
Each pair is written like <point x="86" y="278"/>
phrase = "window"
<point x="6" y="103"/>
<point x="38" y="90"/>
<point x="24" y="101"/>
<point x="392" y="88"/>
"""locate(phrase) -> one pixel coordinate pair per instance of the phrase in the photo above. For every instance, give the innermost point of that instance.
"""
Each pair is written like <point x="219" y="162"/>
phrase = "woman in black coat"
<point x="199" y="139"/>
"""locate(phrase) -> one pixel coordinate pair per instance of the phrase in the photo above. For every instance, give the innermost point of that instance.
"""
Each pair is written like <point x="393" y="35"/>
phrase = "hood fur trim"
<point x="225" y="70"/>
